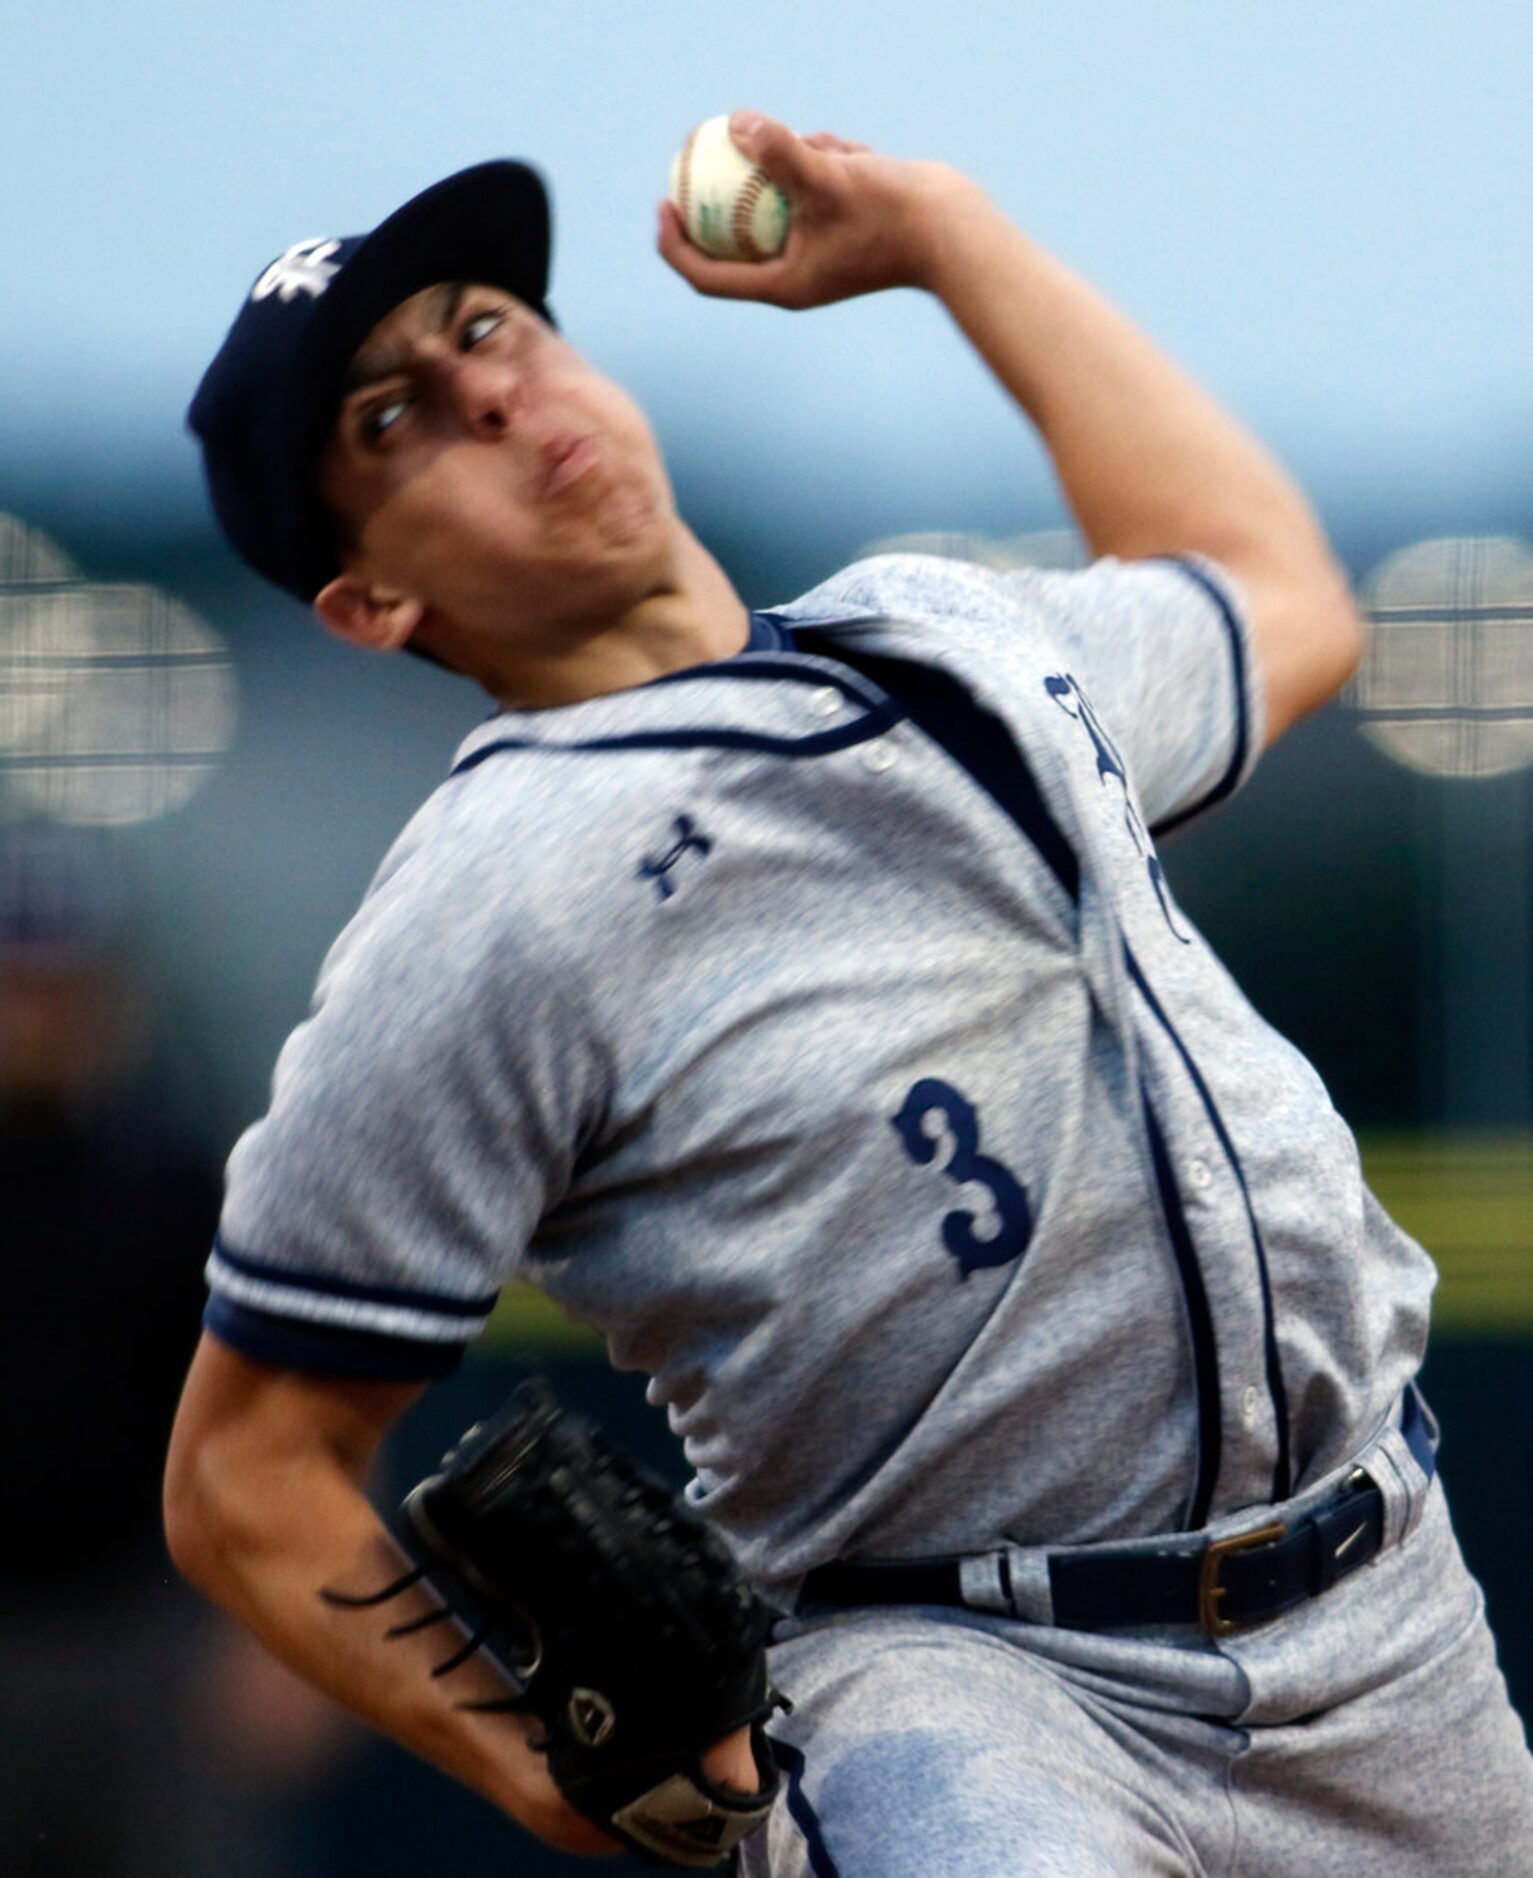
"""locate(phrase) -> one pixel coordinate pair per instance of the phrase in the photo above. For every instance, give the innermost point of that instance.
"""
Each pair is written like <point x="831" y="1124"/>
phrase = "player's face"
<point x="482" y="466"/>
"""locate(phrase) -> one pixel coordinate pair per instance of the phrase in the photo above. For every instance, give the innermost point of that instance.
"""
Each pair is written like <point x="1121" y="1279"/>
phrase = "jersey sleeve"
<point x="1163" y="651"/>
<point x="422" y="1120"/>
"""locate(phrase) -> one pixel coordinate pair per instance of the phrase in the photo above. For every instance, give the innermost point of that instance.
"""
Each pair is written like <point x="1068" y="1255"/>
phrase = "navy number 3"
<point x="1009" y="1217"/>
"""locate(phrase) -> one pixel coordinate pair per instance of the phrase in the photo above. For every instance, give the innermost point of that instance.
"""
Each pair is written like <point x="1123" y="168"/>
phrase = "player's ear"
<point x="365" y="614"/>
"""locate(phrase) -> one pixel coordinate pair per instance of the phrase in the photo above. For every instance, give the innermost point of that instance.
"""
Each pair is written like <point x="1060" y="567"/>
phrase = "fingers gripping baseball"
<point x="827" y="140"/>
<point x="859" y="221"/>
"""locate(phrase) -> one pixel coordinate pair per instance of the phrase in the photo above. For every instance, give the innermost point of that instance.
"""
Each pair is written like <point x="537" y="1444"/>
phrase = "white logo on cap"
<point x="304" y="268"/>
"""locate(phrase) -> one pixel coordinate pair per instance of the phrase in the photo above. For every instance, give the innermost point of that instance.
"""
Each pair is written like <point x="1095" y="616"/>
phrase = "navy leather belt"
<point x="1222" y="1584"/>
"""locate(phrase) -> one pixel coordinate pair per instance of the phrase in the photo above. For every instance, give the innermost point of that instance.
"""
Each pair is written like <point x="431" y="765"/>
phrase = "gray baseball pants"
<point x="1366" y="1733"/>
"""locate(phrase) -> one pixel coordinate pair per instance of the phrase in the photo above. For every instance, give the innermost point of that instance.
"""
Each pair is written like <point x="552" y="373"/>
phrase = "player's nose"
<point x="485" y="393"/>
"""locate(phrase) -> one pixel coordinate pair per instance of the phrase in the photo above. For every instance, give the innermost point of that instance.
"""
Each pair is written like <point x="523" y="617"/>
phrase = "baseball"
<point x="727" y="206"/>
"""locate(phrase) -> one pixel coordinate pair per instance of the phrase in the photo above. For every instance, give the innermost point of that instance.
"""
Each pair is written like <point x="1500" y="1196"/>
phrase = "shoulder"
<point x="464" y="894"/>
<point x="948" y="595"/>
<point x="546" y="818"/>
<point x="909" y="585"/>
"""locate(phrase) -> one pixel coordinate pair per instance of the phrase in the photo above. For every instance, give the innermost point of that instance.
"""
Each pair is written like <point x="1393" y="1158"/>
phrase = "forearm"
<point x="264" y="1526"/>
<point x="266" y="1570"/>
<point x="1148" y="462"/>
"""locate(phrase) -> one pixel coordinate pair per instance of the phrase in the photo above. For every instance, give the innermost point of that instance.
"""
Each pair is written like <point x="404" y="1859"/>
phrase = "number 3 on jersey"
<point x="939" y="1128"/>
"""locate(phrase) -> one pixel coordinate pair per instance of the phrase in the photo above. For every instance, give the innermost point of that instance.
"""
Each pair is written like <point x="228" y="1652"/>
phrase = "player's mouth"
<point x="565" y="460"/>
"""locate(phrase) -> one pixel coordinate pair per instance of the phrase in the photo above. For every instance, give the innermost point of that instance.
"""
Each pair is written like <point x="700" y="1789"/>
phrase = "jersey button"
<point x="1199" y="1174"/>
<point x="825" y="702"/>
<point x="1248" y="1402"/>
<point x="877" y="757"/>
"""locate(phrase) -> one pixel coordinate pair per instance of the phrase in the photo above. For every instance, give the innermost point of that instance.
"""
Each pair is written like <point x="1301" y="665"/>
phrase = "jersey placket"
<point x="1204" y="1193"/>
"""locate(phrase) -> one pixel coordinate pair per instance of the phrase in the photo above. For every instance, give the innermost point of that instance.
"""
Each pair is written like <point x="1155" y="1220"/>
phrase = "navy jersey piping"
<point x="973" y="736"/>
<point x="981" y="745"/>
<point x="749" y="663"/>
<point x="873" y="723"/>
<point x="434" y="1303"/>
<point x="768" y="633"/>
<point x="1200" y="1323"/>
<point x="1236" y="766"/>
<point x="1282" y="1473"/>
<point x="755" y="660"/>
<point x="327" y="1349"/>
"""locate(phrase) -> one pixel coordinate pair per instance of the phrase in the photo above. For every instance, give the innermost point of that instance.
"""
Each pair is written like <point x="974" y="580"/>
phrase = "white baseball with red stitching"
<point x="727" y="206"/>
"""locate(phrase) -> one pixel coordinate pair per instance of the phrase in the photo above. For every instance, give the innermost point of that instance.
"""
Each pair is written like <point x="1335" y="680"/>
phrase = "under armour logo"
<point x="658" y="867"/>
<point x="306" y="267"/>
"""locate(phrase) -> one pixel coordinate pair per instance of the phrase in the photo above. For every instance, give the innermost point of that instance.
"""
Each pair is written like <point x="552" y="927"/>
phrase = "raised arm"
<point x="265" y="1509"/>
<point x="1149" y="464"/>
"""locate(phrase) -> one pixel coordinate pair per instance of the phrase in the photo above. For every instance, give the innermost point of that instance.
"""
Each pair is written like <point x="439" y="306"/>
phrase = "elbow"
<point x="1338" y="635"/>
<point x="204" y="1522"/>
<point x="1309" y="640"/>
<point x="190" y="1528"/>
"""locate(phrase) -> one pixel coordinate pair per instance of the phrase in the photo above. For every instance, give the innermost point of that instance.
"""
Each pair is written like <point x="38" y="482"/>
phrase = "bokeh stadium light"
<point x="1446" y="684"/>
<point x="116" y="701"/>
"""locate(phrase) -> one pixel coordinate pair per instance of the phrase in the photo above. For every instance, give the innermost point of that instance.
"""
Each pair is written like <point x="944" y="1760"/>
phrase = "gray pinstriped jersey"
<point x="858" y="1076"/>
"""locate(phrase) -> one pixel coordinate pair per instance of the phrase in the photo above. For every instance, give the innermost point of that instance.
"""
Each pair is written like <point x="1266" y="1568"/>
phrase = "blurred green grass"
<point x="1467" y="1198"/>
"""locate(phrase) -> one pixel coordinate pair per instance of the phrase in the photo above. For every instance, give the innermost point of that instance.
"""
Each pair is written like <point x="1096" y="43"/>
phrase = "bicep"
<point x="423" y="1120"/>
<point x="246" y="1435"/>
<point x="280" y="1408"/>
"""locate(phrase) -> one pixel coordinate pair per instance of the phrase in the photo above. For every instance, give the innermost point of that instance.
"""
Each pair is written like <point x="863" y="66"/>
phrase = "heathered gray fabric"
<point x="1366" y="1733"/>
<point x="669" y="1093"/>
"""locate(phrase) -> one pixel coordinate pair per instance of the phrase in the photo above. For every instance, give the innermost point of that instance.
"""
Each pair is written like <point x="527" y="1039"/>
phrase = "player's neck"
<point x="691" y="617"/>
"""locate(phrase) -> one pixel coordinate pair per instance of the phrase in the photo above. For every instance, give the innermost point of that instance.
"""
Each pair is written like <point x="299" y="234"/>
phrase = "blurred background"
<point x="1323" y="211"/>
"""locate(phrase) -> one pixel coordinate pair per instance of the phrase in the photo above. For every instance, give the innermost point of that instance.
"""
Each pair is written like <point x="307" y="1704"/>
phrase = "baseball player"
<point x="798" y="997"/>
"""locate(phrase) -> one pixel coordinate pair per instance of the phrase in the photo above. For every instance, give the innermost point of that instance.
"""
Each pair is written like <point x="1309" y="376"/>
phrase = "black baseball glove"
<point x="621" y="1619"/>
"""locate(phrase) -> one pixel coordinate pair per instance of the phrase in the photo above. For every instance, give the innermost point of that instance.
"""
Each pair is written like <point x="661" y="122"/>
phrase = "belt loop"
<point x="1032" y="1590"/>
<point x="1393" y="1463"/>
<point x="1014" y="1583"/>
<point x="984" y="1582"/>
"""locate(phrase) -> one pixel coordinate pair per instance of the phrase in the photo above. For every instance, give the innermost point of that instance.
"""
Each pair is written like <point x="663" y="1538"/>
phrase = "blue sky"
<point x="1323" y="208"/>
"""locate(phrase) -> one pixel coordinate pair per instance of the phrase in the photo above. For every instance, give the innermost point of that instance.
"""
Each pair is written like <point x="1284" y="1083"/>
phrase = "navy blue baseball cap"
<point x="266" y="403"/>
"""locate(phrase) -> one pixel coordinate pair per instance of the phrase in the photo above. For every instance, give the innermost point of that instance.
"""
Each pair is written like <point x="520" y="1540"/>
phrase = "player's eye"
<point x="479" y="327"/>
<point x="377" y="420"/>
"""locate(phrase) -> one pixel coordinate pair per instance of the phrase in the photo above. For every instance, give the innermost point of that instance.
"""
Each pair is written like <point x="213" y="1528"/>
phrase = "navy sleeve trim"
<point x="327" y="1349"/>
<point x="1236" y="768"/>
<point x="436" y="1302"/>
